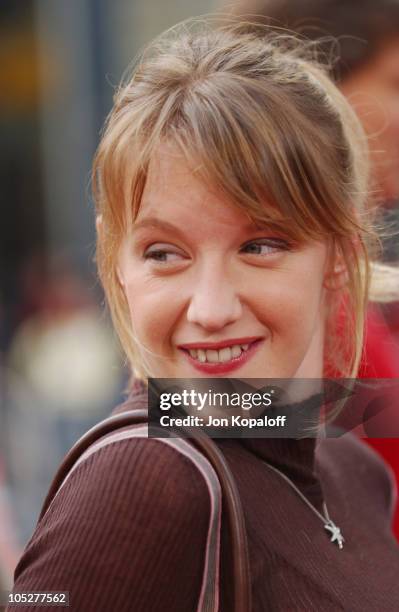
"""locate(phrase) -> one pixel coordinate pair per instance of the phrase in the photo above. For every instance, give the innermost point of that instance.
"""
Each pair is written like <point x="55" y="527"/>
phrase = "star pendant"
<point x="336" y="535"/>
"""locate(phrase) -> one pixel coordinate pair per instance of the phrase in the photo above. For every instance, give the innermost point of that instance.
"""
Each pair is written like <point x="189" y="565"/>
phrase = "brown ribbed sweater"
<point x="127" y="531"/>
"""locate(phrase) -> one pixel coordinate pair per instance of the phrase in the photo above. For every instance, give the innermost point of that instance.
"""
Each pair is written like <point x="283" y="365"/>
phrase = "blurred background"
<point x="60" y="368"/>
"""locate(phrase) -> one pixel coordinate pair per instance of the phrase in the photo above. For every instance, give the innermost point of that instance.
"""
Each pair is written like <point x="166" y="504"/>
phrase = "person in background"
<point x="359" y="40"/>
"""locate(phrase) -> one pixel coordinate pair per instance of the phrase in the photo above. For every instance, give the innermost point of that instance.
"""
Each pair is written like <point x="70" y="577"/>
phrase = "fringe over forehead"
<point x="262" y="124"/>
<point x="259" y="122"/>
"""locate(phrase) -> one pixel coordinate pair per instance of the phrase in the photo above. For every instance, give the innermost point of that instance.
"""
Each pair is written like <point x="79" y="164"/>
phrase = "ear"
<point x="100" y="233"/>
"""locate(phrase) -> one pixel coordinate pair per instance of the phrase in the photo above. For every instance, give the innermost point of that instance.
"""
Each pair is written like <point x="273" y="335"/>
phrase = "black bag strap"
<point x="231" y="499"/>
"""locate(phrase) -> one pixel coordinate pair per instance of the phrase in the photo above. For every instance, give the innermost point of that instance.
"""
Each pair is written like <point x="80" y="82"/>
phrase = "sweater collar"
<point x="293" y="457"/>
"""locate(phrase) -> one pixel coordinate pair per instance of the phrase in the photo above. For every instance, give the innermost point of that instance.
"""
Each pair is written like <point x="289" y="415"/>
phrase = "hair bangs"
<point x="239" y="136"/>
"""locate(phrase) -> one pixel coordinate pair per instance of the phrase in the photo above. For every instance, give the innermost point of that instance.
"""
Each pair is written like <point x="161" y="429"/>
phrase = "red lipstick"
<point x="219" y="345"/>
<point x="213" y="369"/>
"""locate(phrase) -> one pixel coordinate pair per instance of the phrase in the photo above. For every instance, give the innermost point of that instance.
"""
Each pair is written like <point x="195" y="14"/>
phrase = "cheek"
<point x="292" y="306"/>
<point x="153" y="310"/>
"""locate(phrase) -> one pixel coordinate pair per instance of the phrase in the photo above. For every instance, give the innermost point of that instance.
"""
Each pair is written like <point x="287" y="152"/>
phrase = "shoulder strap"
<point x="230" y="495"/>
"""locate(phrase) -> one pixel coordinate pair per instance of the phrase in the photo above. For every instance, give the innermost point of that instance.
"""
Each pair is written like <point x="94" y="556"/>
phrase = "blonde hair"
<point x="269" y="130"/>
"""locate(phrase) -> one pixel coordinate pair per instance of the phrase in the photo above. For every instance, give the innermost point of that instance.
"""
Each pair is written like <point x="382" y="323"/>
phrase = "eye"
<point x="163" y="255"/>
<point x="265" y="246"/>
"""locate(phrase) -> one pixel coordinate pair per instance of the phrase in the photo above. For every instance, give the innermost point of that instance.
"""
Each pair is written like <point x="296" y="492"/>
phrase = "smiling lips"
<point x="220" y="357"/>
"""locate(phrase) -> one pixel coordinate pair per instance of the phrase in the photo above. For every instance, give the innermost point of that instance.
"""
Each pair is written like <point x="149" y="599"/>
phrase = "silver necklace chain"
<point x="329" y="525"/>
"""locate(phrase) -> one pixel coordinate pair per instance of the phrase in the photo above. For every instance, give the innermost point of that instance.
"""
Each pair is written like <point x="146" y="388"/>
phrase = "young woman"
<point x="231" y="185"/>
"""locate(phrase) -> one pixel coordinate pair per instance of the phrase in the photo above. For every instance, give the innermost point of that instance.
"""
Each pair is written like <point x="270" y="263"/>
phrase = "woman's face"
<point x="210" y="294"/>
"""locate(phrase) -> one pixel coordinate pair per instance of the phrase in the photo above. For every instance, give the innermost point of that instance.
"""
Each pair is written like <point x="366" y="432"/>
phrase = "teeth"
<point x="218" y="356"/>
<point x="225" y="354"/>
<point x="212" y="356"/>
<point x="201" y="356"/>
<point x="236" y="351"/>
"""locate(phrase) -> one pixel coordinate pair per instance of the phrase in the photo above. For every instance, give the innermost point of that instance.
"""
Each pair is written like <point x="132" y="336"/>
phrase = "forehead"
<point x="176" y="191"/>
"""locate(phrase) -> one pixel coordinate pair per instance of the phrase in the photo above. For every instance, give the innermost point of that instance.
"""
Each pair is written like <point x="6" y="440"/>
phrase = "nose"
<point x="214" y="302"/>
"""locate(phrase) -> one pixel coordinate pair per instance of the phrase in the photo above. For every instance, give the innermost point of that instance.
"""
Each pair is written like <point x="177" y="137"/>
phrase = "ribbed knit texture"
<point x="127" y="531"/>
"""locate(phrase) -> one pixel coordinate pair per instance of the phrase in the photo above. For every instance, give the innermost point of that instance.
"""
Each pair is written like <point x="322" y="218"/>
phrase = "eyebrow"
<point x="155" y="223"/>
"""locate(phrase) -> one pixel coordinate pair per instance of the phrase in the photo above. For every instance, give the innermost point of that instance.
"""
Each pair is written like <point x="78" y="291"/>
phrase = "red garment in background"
<point x="381" y="360"/>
